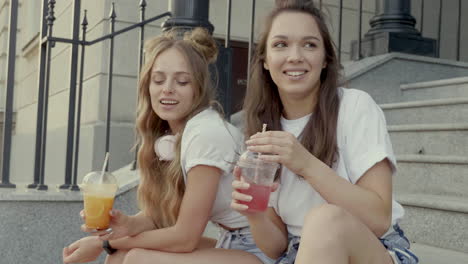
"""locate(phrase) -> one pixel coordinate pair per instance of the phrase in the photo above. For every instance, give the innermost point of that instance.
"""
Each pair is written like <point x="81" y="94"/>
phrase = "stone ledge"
<point x="436" y="159"/>
<point x="425" y="103"/>
<point x="439" y="202"/>
<point x="436" y="83"/>
<point x="126" y="178"/>
<point x="434" y="255"/>
<point x="357" y="68"/>
<point x="428" y="127"/>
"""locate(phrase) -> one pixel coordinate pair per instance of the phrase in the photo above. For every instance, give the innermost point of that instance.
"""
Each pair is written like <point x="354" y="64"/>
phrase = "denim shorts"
<point x="396" y="244"/>
<point x="241" y="239"/>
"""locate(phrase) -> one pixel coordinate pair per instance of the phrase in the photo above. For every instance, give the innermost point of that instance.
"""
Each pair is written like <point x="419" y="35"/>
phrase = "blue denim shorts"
<point x="241" y="239"/>
<point x="396" y="244"/>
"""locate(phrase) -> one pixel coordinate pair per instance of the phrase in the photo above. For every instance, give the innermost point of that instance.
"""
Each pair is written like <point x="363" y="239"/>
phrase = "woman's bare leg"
<point x="206" y="242"/>
<point x="199" y="256"/>
<point x="332" y="235"/>
<point x="117" y="257"/>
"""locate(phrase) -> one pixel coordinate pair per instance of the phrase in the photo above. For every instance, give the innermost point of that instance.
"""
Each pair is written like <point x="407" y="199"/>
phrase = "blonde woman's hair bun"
<point x="204" y="43"/>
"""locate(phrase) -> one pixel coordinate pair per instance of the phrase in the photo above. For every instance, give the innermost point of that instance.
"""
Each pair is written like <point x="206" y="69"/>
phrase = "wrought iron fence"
<point x="47" y="43"/>
<point x="78" y="49"/>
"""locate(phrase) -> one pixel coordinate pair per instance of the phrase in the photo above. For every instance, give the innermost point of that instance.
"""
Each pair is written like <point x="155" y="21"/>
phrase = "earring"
<point x="164" y="147"/>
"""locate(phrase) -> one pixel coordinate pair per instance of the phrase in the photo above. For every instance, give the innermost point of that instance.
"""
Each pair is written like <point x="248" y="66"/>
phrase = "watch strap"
<point x="107" y="247"/>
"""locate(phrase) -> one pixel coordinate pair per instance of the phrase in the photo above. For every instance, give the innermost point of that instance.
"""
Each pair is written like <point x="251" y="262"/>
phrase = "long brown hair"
<point x="161" y="182"/>
<point x="262" y="103"/>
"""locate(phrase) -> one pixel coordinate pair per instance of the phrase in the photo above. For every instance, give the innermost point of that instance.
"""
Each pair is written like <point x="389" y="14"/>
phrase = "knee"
<point x="135" y="255"/>
<point x="117" y="257"/>
<point x="328" y="219"/>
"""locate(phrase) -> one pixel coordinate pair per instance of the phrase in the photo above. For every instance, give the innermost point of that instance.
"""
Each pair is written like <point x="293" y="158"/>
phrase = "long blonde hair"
<point x="161" y="182"/>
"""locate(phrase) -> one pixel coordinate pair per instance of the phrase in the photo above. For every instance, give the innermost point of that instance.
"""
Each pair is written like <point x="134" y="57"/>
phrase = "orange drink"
<point x="98" y="195"/>
<point x="97" y="210"/>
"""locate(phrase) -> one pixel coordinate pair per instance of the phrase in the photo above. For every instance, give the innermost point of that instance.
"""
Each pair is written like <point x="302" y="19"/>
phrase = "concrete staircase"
<point x="429" y="132"/>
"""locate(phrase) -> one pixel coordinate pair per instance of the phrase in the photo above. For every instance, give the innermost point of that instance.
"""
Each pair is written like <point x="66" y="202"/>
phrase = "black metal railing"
<point x="77" y="62"/>
<point x="47" y="43"/>
<point x="440" y="23"/>
<point x="10" y="83"/>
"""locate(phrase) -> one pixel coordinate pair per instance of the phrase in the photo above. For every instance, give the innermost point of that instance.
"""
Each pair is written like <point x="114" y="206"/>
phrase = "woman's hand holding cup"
<point x="120" y="226"/>
<point x="240" y="199"/>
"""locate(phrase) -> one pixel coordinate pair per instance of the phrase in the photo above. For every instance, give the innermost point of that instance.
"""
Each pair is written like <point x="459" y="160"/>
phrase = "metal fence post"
<point x="72" y="98"/>
<point x="40" y="97"/>
<point x="140" y="64"/>
<point x="251" y="37"/>
<point x="74" y="186"/>
<point x="50" y="45"/>
<point x="8" y="124"/>
<point x="112" y="17"/>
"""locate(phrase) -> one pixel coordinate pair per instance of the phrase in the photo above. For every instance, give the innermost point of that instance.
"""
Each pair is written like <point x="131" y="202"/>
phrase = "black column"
<point x="393" y="30"/>
<point x="187" y="14"/>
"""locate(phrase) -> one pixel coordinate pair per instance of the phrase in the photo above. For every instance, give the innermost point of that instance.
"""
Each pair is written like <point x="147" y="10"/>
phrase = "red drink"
<point x="260" y="196"/>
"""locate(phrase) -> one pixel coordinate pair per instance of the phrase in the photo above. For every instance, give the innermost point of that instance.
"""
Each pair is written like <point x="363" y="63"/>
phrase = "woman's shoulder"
<point x="209" y="122"/>
<point x="352" y="94"/>
<point x="354" y="99"/>
<point x="206" y="119"/>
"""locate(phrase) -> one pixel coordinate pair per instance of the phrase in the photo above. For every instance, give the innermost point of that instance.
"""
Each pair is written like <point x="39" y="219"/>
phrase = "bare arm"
<point x="370" y="199"/>
<point x="141" y="223"/>
<point x="371" y="196"/>
<point x="184" y="236"/>
<point x="269" y="231"/>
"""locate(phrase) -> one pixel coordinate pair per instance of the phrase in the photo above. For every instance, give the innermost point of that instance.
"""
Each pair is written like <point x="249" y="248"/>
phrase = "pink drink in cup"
<point x="260" y="175"/>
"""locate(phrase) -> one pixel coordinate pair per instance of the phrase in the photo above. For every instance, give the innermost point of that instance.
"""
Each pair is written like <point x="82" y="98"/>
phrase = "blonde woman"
<point x="186" y="185"/>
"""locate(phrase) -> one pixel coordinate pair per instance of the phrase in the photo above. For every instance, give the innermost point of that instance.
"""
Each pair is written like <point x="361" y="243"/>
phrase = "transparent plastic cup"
<point x="260" y="176"/>
<point x="98" y="198"/>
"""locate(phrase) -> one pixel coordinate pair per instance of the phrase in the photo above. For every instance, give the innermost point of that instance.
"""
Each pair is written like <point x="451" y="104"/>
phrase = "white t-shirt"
<point x="362" y="140"/>
<point x="209" y="140"/>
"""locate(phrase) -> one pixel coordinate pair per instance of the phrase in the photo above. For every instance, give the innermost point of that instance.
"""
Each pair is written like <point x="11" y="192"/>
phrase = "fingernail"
<point x="249" y="198"/>
<point x="245" y="185"/>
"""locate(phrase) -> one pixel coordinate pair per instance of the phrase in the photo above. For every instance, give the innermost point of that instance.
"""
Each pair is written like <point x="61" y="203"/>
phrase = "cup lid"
<point x="251" y="159"/>
<point x="94" y="177"/>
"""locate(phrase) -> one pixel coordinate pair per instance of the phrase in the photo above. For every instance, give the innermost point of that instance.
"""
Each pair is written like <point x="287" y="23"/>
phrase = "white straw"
<point x="263" y="131"/>
<point x="106" y="160"/>
<point x="259" y="154"/>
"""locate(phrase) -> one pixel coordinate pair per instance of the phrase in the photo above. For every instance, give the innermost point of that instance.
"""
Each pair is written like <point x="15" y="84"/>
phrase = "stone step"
<point x="434" y="255"/>
<point x="432" y="174"/>
<point x="445" y="88"/>
<point x="430" y="139"/>
<point x="447" y="110"/>
<point x="436" y="220"/>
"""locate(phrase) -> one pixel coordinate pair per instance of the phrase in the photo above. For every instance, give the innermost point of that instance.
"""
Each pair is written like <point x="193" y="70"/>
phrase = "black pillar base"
<point x="386" y="42"/>
<point x="7" y="185"/>
<point x="33" y="185"/>
<point x="42" y="187"/>
<point x="188" y="14"/>
<point x="65" y="186"/>
<point x="74" y="188"/>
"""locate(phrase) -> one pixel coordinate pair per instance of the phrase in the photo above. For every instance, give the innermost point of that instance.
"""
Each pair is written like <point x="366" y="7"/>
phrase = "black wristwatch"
<point x="107" y="247"/>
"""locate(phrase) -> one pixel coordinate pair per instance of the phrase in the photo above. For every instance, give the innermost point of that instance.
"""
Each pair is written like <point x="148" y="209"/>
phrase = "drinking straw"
<point x="106" y="160"/>
<point x="259" y="154"/>
<point x="263" y="131"/>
